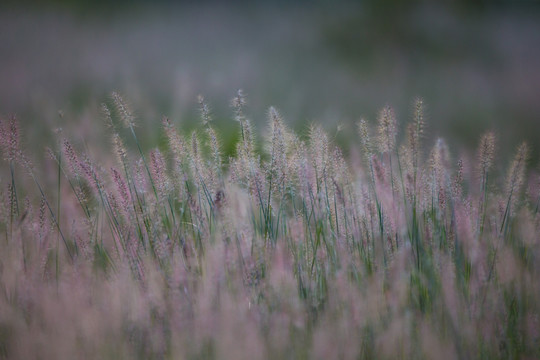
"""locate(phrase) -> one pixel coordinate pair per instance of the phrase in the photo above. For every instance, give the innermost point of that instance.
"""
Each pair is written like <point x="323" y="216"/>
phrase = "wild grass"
<point x="398" y="251"/>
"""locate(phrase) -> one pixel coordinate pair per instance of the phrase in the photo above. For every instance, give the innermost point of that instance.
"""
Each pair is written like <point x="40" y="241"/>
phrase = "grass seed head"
<point x="123" y="110"/>
<point x="516" y="173"/>
<point x="205" y="110"/>
<point x="71" y="158"/>
<point x="119" y="148"/>
<point x="159" y="173"/>
<point x="107" y="116"/>
<point x="363" y="131"/>
<point x="176" y="143"/>
<point x="387" y="130"/>
<point x="10" y="140"/>
<point x="122" y="189"/>
<point x="238" y="103"/>
<point x="486" y="152"/>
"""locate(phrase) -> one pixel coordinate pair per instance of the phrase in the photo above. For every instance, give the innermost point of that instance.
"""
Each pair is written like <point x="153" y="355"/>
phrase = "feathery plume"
<point x="107" y="115"/>
<point x="159" y="173"/>
<point x="141" y="183"/>
<point x="198" y="170"/>
<point x="367" y="147"/>
<point x="205" y="111"/>
<point x="387" y="130"/>
<point x="42" y="218"/>
<point x="439" y="162"/>
<point x="194" y="145"/>
<point x="278" y="161"/>
<point x="486" y="153"/>
<point x="458" y="181"/>
<point x="119" y="148"/>
<point x="319" y="145"/>
<point x="415" y="131"/>
<point x="514" y="182"/>
<point x="71" y="158"/>
<point x="248" y="141"/>
<point x="10" y="140"/>
<point x="213" y="142"/>
<point x="365" y="140"/>
<point x="179" y="152"/>
<point x="417" y="127"/>
<point x="216" y="156"/>
<point x="12" y="200"/>
<point x="176" y="143"/>
<point x="92" y="177"/>
<point x="122" y="189"/>
<point x="123" y="110"/>
<point x="239" y="103"/>
<point x="13" y="139"/>
<point x="246" y="147"/>
<point x="516" y="173"/>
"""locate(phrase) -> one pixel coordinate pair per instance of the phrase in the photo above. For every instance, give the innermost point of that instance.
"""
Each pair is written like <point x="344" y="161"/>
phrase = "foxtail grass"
<point x="398" y="250"/>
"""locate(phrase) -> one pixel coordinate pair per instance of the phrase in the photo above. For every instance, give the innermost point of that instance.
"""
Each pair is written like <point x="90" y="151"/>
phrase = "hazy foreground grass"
<point x="399" y="251"/>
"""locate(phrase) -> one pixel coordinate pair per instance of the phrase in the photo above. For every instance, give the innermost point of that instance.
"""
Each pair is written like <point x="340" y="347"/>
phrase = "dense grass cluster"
<point x="400" y="251"/>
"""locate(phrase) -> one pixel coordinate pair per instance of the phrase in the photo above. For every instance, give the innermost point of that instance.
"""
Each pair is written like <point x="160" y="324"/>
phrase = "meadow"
<point x="404" y="247"/>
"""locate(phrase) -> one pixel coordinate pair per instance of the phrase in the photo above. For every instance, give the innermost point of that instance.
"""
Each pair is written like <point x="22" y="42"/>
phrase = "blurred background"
<point x="475" y="63"/>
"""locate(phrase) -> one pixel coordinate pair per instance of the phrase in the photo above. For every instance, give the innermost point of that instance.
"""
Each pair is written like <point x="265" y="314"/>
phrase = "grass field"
<point x="400" y="250"/>
<point x="139" y="220"/>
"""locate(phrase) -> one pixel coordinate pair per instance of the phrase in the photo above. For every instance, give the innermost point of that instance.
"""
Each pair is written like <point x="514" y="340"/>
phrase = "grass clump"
<point x="296" y="252"/>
